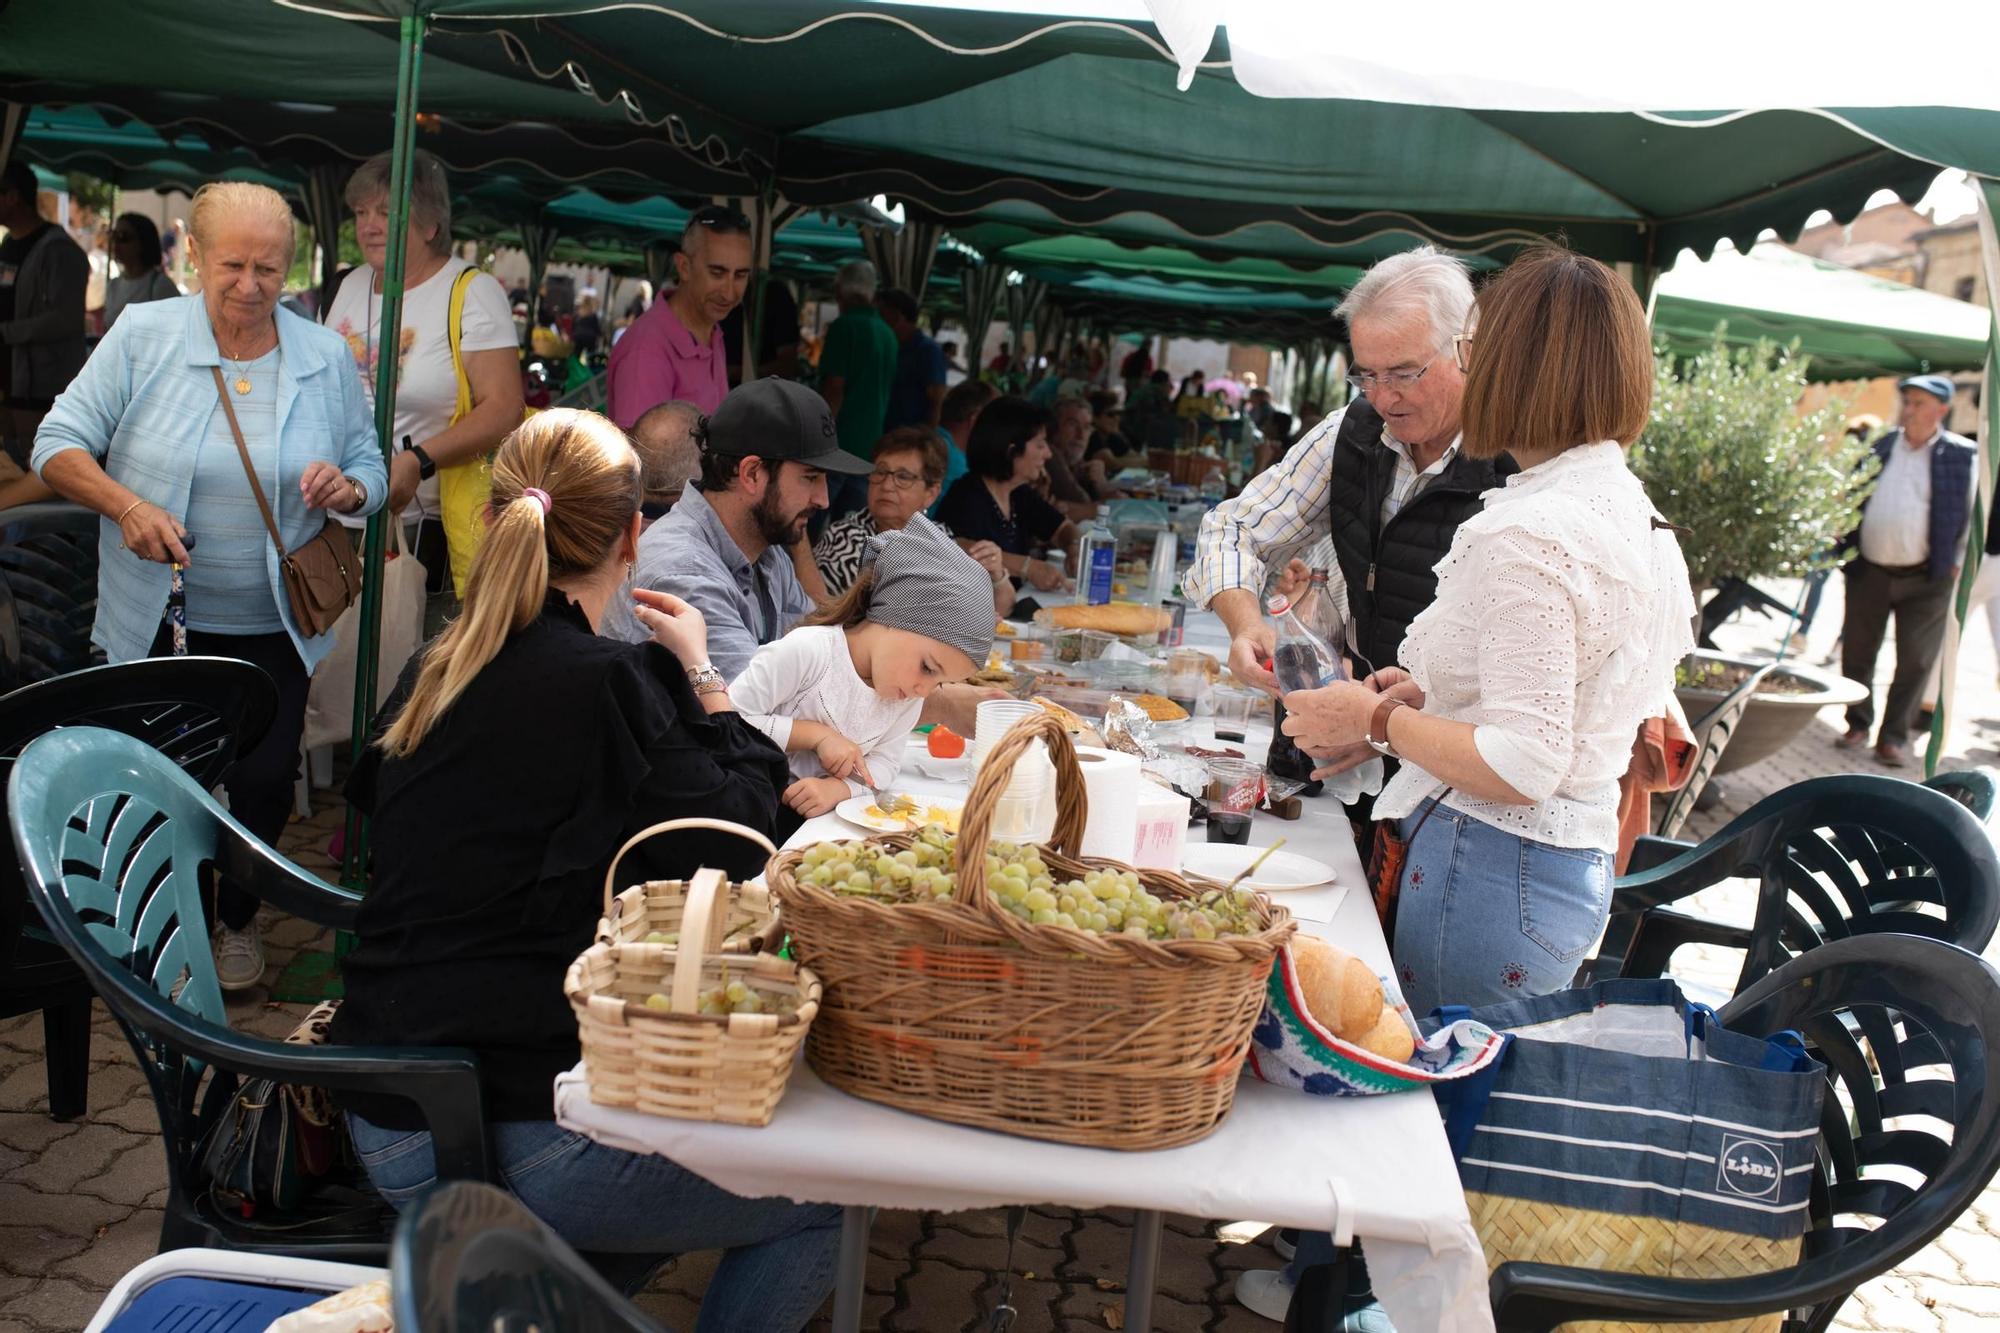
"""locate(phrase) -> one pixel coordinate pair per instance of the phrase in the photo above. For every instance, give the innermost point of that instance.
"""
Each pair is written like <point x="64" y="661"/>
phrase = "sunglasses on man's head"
<point x="716" y="217"/>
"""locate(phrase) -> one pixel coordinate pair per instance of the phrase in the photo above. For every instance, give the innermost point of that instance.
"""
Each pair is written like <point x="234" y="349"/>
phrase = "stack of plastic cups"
<point x="1026" y="811"/>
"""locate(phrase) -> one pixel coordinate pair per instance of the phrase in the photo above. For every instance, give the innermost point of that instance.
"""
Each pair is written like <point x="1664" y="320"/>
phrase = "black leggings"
<point x="260" y="782"/>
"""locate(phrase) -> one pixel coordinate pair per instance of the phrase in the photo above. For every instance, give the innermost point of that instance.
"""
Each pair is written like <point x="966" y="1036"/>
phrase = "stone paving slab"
<point x="80" y="1203"/>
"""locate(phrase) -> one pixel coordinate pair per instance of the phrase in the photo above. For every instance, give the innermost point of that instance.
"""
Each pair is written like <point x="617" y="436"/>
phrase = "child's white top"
<point x="809" y="675"/>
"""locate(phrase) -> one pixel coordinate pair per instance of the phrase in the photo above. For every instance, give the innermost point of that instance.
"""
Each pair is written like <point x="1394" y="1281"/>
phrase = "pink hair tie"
<point x="540" y="497"/>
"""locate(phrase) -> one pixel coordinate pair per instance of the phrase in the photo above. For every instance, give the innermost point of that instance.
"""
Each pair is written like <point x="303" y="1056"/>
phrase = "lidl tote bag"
<point x="1625" y="1129"/>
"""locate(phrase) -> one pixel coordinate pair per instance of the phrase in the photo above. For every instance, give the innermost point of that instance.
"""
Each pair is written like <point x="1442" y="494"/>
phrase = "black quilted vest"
<point x="1391" y="569"/>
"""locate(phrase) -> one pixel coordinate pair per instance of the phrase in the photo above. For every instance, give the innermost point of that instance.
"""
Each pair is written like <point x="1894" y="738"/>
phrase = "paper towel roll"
<point x="1111" y="781"/>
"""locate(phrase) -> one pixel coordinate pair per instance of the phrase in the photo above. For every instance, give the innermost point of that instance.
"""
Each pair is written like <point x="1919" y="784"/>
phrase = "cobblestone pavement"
<point x="80" y="1203"/>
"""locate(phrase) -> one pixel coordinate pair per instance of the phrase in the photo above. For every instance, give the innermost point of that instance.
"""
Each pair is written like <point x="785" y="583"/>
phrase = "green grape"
<point x="658" y="1001"/>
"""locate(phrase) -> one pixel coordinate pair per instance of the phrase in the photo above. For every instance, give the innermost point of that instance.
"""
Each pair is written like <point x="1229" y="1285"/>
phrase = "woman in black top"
<point x="995" y="500"/>
<point x="515" y="756"/>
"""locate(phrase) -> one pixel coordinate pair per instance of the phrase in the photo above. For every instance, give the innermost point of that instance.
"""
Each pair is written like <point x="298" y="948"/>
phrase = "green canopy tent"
<point x="958" y="110"/>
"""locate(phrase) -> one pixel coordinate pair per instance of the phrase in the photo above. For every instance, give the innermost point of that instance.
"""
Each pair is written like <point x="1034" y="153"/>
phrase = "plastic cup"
<point x="1235" y="709"/>
<point x="1235" y="786"/>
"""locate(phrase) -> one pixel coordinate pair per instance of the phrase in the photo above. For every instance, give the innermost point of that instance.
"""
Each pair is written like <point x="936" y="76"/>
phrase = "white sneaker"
<point x="1265" y="1291"/>
<point x="239" y="957"/>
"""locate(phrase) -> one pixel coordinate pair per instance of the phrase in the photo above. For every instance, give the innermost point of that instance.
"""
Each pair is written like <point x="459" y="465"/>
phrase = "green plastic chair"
<point x="1977" y="789"/>
<point x="1847" y="854"/>
<point x="111" y="835"/>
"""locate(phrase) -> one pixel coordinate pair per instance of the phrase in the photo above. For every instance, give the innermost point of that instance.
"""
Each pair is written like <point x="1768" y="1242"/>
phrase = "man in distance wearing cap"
<point x="723" y="547"/>
<point x="1908" y="552"/>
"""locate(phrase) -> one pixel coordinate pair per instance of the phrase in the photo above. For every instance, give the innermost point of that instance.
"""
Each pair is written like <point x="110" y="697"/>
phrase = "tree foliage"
<point x="1766" y="489"/>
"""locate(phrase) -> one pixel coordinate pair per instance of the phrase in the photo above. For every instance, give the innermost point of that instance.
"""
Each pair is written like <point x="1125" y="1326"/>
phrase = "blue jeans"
<point x="631" y="1212"/>
<point x="1486" y="916"/>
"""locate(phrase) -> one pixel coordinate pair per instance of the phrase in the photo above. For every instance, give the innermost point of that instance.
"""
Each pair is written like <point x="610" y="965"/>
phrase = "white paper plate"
<point x="1284" y="870"/>
<point x="855" y="810"/>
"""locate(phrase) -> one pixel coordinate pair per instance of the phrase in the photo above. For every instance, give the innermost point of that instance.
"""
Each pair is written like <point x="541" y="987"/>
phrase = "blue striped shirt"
<point x="227" y="592"/>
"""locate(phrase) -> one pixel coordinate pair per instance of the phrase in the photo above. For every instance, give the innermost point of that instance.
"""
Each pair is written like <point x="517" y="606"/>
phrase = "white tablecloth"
<point x="1376" y="1167"/>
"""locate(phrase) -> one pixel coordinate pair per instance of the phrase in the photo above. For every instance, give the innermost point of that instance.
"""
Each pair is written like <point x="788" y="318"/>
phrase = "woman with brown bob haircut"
<point x="1561" y="612"/>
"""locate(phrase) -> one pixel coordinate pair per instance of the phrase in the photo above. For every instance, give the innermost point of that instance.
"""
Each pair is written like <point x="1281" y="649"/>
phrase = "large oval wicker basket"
<point x="962" y="1011"/>
<point x="678" y="1061"/>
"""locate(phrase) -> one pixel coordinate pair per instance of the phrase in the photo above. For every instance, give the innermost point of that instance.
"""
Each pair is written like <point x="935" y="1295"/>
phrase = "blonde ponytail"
<point x="590" y="475"/>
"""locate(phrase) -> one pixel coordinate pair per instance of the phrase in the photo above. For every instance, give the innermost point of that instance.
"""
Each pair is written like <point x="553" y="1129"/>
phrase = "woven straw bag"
<point x="960" y="1010"/>
<point x="679" y="1062"/>
<point x="747" y="917"/>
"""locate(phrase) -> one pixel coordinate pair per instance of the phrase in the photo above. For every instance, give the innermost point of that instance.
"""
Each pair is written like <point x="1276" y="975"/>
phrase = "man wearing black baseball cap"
<point x="1907" y="555"/>
<point x="724" y="548"/>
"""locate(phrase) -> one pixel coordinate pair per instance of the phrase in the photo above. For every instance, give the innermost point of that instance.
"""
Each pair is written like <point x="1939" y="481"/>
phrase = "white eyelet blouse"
<point x="1561" y="613"/>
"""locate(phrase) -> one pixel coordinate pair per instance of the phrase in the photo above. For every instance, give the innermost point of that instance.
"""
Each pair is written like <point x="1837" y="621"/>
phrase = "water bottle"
<point x="1166" y="579"/>
<point x="1302" y="660"/>
<point x="1096" y="562"/>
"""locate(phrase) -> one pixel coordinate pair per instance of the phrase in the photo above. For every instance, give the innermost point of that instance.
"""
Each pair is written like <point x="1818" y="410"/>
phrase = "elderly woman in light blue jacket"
<point x="142" y="438"/>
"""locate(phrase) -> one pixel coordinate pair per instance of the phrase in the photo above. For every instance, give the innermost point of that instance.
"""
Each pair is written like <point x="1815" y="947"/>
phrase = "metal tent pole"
<point x="367" y="661"/>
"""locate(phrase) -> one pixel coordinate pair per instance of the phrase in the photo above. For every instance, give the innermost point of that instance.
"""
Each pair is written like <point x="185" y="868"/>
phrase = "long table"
<point x="1375" y="1168"/>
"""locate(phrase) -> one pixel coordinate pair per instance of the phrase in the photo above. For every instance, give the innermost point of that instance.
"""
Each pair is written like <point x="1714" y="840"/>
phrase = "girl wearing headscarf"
<point x="839" y="693"/>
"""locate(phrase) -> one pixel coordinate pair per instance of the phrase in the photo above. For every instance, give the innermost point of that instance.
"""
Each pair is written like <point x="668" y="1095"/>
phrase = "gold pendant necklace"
<point x="242" y="384"/>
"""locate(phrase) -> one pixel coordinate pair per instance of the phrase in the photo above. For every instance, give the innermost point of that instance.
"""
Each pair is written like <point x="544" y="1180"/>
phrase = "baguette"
<point x="1111" y="618"/>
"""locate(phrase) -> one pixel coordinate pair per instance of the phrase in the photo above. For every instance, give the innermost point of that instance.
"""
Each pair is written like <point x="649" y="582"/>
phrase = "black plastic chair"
<point x="1911" y="1008"/>
<point x="469" y="1258"/>
<point x="48" y="591"/>
<point x="202" y="712"/>
<point x="1710" y="733"/>
<point x="1832" y="856"/>
<point x="112" y="836"/>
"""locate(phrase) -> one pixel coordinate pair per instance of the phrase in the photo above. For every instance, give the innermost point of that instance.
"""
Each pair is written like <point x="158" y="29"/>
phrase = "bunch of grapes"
<point x="1109" y="902"/>
<point x="734" y="997"/>
<point x="922" y="873"/>
<point x="1103" y="901"/>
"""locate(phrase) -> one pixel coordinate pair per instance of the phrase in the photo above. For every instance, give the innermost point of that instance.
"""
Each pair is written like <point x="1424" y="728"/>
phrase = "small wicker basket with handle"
<point x="677" y="1061"/>
<point x="747" y="918"/>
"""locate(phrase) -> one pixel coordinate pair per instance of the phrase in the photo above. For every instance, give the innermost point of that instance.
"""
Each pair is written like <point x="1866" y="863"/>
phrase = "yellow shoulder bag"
<point x="463" y="488"/>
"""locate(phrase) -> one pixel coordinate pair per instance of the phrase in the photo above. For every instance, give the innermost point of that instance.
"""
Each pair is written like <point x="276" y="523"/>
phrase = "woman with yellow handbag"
<point x="458" y="388"/>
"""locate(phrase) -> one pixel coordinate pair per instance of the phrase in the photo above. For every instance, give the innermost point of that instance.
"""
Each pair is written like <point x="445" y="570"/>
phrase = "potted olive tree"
<point x="1767" y="492"/>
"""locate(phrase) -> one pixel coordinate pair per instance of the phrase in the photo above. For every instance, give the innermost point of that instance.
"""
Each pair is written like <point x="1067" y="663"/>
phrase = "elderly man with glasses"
<point x="676" y="350"/>
<point x="1384" y="475"/>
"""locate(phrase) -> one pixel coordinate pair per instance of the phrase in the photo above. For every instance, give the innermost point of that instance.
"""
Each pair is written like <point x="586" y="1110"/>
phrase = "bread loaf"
<point x="1341" y="991"/>
<point x="1390" y="1038"/>
<point x="1111" y="617"/>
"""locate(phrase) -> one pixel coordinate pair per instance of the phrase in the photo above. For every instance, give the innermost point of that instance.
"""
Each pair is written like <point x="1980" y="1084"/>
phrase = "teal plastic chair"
<point x="1977" y="789"/>
<point x="111" y="835"/>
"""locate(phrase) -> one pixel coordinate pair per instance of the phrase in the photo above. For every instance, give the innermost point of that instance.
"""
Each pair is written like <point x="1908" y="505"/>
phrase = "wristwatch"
<point x="1378" y="727"/>
<point x="706" y="679"/>
<point x="360" y="492"/>
<point x="425" y="468"/>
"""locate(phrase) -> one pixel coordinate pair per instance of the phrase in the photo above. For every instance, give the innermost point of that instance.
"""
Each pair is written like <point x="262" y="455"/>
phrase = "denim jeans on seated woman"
<point x="631" y="1212"/>
<point x="1486" y="915"/>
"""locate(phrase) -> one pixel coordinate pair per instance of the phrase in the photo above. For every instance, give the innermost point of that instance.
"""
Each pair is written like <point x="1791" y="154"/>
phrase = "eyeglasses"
<point x="1461" y="351"/>
<point x="718" y="217"/>
<point x="1368" y="381"/>
<point x="896" y="478"/>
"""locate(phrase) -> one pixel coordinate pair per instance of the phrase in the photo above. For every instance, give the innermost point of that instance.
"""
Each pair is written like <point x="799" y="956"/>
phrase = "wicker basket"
<point x="746" y="922"/>
<point x="962" y="1011"/>
<point x="678" y="1062"/>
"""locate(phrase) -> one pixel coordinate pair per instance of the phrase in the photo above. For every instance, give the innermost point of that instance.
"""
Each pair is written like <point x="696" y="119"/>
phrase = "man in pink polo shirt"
<point x="675" y="349"/>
